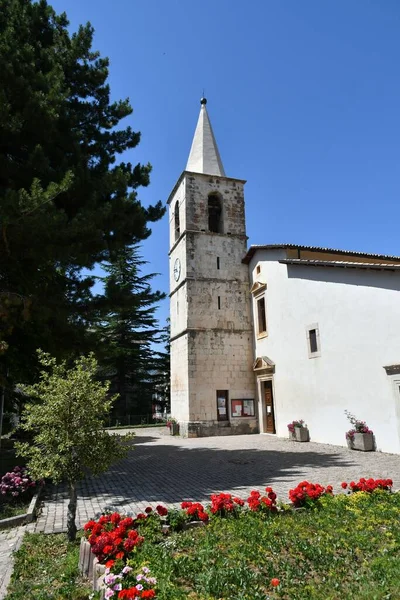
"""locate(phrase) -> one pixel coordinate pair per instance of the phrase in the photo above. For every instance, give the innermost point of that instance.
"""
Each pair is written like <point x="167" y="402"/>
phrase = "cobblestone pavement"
<point x="165" y="469"/>
<point x="10" y="540"/>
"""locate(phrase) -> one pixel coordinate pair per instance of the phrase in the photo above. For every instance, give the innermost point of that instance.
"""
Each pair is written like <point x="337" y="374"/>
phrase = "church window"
<point x="313" y="341"/>
<point x="219" y="302"/>
<point x="217" y="262"/>
<point x="258" y="269"/>
<point x="177" y="223"/>
<point x="214" y="213"/>
<point x="261" y="316"/>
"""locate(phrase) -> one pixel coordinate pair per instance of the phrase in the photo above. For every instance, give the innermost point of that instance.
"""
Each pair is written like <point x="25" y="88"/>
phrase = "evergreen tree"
<point x="126" y="329"/>
<point x="162" y="369"/>
<point x="65" y="203"/>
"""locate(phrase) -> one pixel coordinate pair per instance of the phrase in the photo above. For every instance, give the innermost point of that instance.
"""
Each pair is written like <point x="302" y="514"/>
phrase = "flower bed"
<point x="16" y="491"/>
<point x="123" y="544"/>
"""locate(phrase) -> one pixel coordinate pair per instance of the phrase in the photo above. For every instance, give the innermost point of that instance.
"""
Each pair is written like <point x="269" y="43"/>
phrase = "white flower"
<point x="126" y="570"/>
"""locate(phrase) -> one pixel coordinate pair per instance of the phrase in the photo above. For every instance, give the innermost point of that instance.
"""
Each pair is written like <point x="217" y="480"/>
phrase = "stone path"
<point x="10" y="540"/>
<point x="167" y="470"/>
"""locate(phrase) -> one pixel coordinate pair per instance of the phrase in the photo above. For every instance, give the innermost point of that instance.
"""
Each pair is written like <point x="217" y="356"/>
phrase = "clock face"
<point x="177" y="269"/>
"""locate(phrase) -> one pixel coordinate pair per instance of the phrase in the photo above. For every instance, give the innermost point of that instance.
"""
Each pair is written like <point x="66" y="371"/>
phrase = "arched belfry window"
<point x="215" y="213"/>
<point x="177" y="224"/>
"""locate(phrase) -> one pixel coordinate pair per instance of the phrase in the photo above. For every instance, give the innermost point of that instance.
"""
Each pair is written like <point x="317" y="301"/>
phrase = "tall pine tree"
<point x="127" y="329"/>
<point x="65" y="201"/>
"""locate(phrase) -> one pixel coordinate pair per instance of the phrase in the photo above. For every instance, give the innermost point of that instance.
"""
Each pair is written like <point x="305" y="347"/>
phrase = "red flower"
<point x="306" y="491"/>
<point x="275" y="582"/>
<point x="110" y="563"/>
<point x="129" y="593"/>
<point x="344" y="485"/>
<point x="129" y="545"/>
<point x="120" y="555"/>
<point x="104" y="519"/>
<point x="239" y="501"/>
<point x="127" y="522"/>
<point x="224" y="504"/>
<point x="115" y="518"/>
<point x="257" y="502"/>
<point x="148" y="594"/>
<point x="162" y="511"/>
<point x="369" y="485"/>
<point x="148" y="510"/>
<point x="89" y="525"/>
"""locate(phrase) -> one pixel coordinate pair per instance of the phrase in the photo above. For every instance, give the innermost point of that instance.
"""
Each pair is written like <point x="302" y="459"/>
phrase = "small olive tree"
<point x="65" y="418"/>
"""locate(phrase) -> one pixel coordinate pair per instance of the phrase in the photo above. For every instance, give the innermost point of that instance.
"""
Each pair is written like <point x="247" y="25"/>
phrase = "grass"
<point x="14" y="509"/>
<point x="348" y="548"/>
<point x="46" y="568"/>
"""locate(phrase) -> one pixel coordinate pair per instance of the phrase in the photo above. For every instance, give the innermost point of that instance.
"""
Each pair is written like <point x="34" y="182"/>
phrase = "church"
<point x="267" y="334"/>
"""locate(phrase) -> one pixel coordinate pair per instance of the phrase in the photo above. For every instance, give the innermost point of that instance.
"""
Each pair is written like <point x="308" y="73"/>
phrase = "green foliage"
<point x="46" y="568"/>
<point x="66" y="200"/>
<point x="347" y="549"/>
<point x="126" y="329"/>
<point x="13" y="509"/>
<point x="177" y="518"/>
<point x="66" y="416"/>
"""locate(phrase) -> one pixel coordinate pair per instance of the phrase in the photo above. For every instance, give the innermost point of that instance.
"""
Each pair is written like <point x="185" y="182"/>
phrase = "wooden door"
<point x="269" y="408"/>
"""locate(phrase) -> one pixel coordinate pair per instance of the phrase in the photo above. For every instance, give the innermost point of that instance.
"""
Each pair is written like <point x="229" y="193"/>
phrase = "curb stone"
<point x="26" y="517"/>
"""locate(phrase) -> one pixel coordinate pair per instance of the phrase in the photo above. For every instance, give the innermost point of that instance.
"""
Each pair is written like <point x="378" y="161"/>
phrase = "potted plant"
<point x="360" y="437"/>
<point x="298" y="431"/>
<point x="173" y="426"/>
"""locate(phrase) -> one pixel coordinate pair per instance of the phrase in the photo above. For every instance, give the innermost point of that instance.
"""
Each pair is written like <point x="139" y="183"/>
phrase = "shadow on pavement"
<point x="170" y="473"/>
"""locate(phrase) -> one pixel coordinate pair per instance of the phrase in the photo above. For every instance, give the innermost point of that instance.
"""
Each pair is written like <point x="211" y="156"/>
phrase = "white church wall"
<point x="357" y="313"/>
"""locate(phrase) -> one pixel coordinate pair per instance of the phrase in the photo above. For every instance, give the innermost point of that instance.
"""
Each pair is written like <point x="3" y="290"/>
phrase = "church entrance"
<point x="269" y="423"/>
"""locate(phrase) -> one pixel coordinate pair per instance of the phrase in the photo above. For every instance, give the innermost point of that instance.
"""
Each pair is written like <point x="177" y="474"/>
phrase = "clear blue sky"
<point x="304" y="98"/>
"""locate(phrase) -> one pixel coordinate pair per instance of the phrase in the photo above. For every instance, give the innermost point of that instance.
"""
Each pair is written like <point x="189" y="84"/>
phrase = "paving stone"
<point x="165" y="469"/>
<point x="10" y="540"/>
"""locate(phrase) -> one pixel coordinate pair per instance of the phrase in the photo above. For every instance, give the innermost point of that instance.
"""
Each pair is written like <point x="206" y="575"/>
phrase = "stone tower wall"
<point x="211" y="327"/>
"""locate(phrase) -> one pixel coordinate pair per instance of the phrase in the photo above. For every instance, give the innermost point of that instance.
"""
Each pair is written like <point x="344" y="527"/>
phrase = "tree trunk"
<point x="71" y="526"/>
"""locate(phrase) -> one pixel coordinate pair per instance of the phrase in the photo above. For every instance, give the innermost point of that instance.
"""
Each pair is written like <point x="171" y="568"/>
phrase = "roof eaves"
<point x="341" y="264"/>
<point x="253" y="249"/>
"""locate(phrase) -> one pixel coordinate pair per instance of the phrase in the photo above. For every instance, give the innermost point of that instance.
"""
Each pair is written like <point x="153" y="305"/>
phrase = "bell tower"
<point x="212" y="379"/>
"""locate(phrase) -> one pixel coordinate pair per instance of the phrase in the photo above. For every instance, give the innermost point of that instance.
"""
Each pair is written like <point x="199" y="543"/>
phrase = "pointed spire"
<point x="204" y="156"/>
